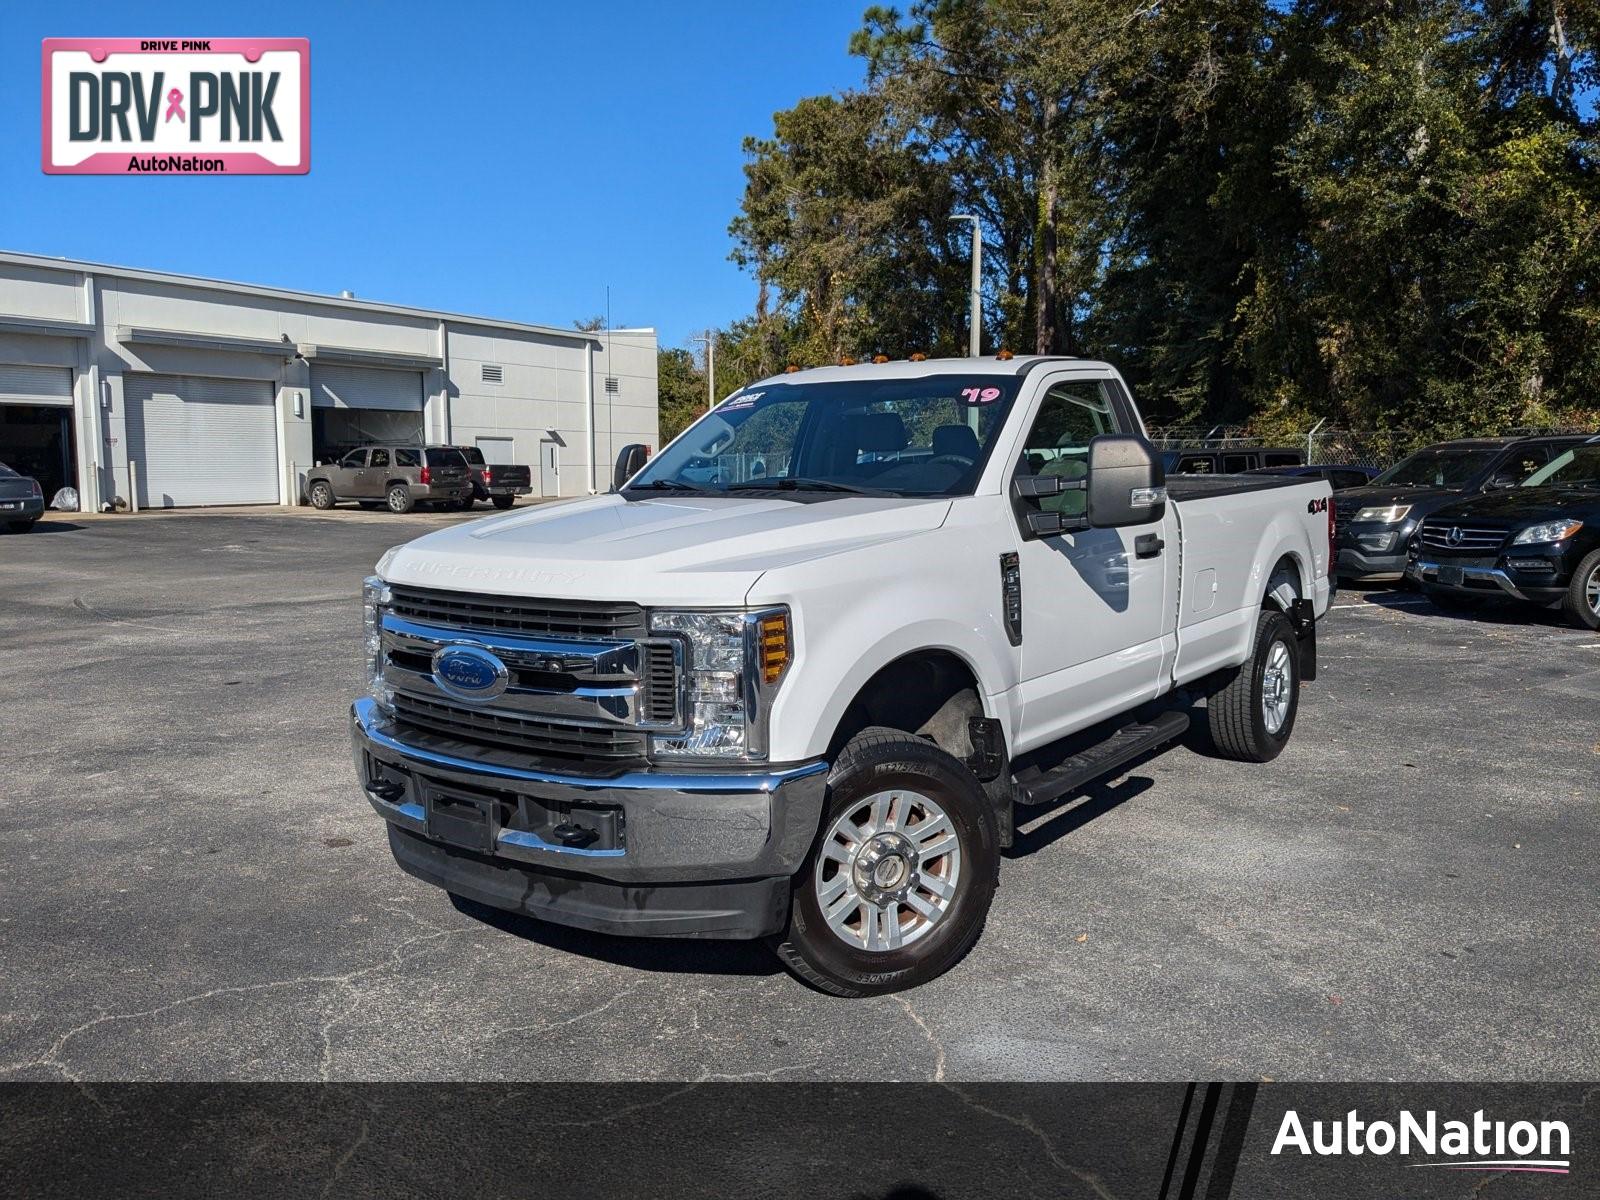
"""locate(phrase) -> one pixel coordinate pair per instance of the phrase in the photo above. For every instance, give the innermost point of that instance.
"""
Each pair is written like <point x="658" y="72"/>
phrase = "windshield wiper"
<point x="802" y="484"/>
<point x="663" y="485"/>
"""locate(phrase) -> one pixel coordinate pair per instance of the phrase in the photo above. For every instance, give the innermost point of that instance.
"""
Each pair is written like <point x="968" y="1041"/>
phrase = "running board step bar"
<point x="1041" y="787"/>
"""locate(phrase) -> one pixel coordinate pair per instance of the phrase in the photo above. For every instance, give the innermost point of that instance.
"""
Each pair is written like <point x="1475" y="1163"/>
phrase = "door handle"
<point x="1148" y="545"/>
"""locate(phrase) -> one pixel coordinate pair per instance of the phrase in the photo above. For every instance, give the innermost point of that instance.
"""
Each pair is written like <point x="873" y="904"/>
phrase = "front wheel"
<point x="1581" y="604"/>
<point x="900" y="879"/>
<point x="399" y="499"/>
<point x="321" y="495"/>
<point x="1252" y="717"/>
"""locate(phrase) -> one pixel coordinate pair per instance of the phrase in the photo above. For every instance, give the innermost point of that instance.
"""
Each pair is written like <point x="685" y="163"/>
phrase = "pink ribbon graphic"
<point x="175" y="106"/>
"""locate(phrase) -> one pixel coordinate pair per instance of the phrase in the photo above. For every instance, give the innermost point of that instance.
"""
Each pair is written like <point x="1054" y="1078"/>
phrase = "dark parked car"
<point x="498" y="483"/>
<point x="1338" y="475"/>
<point x="21" y="500"/>
<point x="1377" y="522"/>
<point x="1539" y="542"/>
<point x="1232" y="461"/>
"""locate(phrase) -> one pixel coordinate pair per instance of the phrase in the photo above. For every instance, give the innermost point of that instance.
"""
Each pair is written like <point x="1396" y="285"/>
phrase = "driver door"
<point x="1095" y="607"/>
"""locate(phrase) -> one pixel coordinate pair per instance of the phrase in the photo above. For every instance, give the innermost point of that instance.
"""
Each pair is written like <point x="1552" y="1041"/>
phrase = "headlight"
<point x="1387" y="514"/>
<point x="375" y="598"/>
<point x="734" y="664"/>
<point x="1549" y="531"/>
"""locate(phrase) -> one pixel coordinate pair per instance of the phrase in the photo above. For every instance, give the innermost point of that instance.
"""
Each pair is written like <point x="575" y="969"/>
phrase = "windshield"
<point x="1578" y="467"/>
<point x="902" y="437"/>
<point x="1452" y="469"/>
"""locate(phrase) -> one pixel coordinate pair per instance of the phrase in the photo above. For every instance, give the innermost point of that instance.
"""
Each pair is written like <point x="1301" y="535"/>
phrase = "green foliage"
<point x="1384" y="214"/>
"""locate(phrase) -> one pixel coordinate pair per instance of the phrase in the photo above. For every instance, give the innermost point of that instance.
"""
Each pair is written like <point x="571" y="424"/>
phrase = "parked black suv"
<point x="1539" y="542"/>
<point x="1377" y="522"/>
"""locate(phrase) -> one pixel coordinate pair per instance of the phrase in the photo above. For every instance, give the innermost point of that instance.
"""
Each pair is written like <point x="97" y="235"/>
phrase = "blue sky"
<point x="511" y="160"/>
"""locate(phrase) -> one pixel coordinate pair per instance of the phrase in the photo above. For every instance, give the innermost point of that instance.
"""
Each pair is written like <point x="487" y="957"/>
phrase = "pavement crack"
<point x="545" y="1027"/>
<point x="52" y="1058"/>
<point x="344" y="1159"/>
<point x="1088" y="1178"/>
<point x="938" y="1046"/>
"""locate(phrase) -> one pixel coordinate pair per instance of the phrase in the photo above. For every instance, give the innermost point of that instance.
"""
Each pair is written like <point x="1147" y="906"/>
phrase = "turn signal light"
<point x="773" y="646"/>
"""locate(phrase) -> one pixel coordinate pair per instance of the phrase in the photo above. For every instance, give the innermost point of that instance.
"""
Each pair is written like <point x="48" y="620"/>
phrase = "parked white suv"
<point x="806" y="704"/>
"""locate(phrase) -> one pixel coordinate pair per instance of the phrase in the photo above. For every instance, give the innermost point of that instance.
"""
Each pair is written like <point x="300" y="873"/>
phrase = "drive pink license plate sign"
<point x="177" y="106"/>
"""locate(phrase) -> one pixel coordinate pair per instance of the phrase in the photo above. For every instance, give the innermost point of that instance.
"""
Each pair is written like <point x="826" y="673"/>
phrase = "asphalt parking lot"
<point x="193" y="888"/>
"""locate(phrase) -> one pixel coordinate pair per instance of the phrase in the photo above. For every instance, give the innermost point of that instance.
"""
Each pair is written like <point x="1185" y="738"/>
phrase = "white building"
<point x="195" y="391"/>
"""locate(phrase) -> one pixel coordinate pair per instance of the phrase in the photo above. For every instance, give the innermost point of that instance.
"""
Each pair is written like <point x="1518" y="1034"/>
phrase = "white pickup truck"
<point x="802" y="697"/>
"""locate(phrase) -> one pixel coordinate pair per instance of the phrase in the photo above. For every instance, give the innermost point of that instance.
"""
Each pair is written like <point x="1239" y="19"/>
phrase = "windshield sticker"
<point x="743" y="400"/>
<point x="972" y="395"/>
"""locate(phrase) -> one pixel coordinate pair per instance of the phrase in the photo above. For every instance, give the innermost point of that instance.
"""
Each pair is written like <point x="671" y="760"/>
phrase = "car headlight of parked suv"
<point x="733" y="666"/>
<point x="1547" y="531"/>
<point x="375" y="597"/>
<point x="1384" y="514"/>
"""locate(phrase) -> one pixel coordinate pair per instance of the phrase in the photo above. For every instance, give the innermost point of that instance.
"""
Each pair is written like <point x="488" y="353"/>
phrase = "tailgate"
<point x="506" y="475"/>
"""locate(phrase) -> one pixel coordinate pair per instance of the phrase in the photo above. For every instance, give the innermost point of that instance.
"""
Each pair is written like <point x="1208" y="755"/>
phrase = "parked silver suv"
<point x="400" y="477"/>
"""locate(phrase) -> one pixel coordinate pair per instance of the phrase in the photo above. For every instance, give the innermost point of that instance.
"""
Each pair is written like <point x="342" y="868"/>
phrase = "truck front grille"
<point x="517" y="614"/>
<point x="575" y="744"/>
<point x="1460" y="537"/>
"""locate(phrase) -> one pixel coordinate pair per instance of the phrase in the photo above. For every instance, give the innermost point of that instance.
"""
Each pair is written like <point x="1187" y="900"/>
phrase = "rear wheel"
<point x="900" y="879"/>
<point x="399" y="498"/>
<point x="321" y="495"/>
<point x="21" y="526"/>
<point x="503" y="502"/>
<point x="1581" y="604"/>
<point x="1252" y="717"/>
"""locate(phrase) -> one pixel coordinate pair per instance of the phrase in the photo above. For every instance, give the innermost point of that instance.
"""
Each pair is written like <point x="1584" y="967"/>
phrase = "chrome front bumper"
<point x="673" y="828"/>
<point x="1423" y="571"/>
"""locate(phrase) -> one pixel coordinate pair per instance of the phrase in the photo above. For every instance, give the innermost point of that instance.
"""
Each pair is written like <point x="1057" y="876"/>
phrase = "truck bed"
<point x="1199" y="487"/>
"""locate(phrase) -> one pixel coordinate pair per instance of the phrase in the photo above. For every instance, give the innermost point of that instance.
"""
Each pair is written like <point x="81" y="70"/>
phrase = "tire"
<point x="502" y="502"/>
<point x="897" y="782"/>
<point x="1238" y="715"/>
<point x="464" y="505"/>
<point x="320" y="493"/>
<point x="22" y="526"/>
<point x="1581" y="604"/>
<point x="399" y="498"/>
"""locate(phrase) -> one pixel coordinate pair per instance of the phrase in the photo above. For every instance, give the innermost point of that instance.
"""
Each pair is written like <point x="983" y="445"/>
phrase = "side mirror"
<point x="1126" y="483"/>
<point x="1502" y="480"/>
<point x="630" y="461"/>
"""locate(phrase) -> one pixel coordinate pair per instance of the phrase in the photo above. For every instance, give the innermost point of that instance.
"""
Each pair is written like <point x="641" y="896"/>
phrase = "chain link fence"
<point x="1375" y="448"/>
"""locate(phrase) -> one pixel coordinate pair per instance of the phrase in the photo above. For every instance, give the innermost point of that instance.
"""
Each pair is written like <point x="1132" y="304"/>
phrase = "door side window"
<point x="356" y="458"/>
<point x="1071" y="413"/>
<point x="380" y="458"/>
<point x="1235" y="464"/>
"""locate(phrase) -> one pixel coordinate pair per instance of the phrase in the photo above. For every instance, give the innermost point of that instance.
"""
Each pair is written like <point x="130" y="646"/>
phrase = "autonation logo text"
<point x="1476" y="1145"/>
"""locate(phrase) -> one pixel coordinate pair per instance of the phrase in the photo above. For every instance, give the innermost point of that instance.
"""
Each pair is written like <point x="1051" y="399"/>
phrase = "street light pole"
<point x="975" y="320"/>
<point x="710" y="339"/>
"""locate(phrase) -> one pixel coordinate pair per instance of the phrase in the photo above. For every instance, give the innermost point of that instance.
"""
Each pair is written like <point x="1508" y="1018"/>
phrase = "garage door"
<point x="365" y="387"/>
<point x="35" y="385"/>
<point x="202" y="441"/>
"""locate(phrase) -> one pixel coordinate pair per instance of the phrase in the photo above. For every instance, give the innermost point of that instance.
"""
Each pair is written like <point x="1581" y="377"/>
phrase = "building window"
<point x="611" y="385"/>
<point x="493" y="373"/>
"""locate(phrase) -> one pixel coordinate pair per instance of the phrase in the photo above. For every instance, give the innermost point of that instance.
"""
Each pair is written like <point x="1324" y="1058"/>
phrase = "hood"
<point x="1528" y="504"/>
<point x="1349" y="501"/>
<point x="667" y="550"/>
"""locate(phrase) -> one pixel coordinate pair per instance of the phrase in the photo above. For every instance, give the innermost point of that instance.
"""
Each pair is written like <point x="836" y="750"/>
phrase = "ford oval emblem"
<point x="470" y="673"/>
